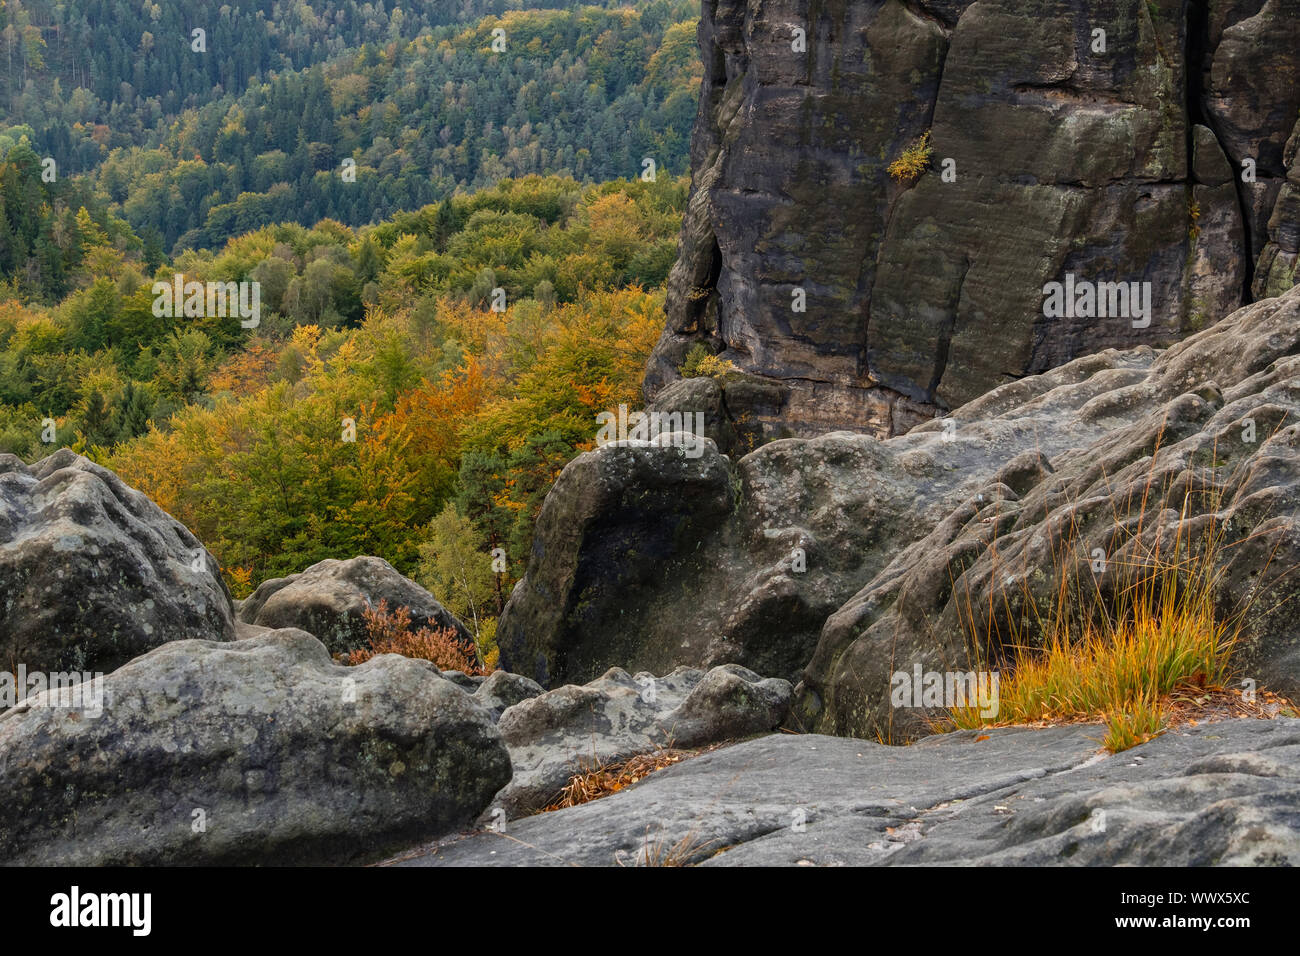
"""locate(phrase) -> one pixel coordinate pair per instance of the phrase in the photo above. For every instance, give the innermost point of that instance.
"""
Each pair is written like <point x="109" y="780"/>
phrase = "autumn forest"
<point x="460" y="254"/>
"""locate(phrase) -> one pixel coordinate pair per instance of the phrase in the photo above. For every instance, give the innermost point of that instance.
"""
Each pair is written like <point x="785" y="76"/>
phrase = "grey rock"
<point x="614" y="516"/>
<point x="470" y="682"/>
<point x="93" y="573"/>
<point x="259" y="751"/>
<point x="1219" y="794"/>
<point x="690" y="396"/>
<point x="1250" y="82"/>
<point x="1279" y="263"/>
<point x="822" y="560"/>
<point x="329" y="600"/>
<point x="502" y="689"/>
<point x="647" y="560"/>
<point x="1076" y="161"/>
<point x="552" y="736"/>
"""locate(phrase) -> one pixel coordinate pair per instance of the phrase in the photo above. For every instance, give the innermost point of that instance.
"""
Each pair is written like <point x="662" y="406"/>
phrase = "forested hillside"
<point x="395" y="110"/>
<point x="121" y="50"/>
<point x="441" y="367"/>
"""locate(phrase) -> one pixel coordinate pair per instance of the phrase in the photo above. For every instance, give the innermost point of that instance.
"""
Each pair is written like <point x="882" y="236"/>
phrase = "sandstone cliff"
<point x="1108" y="139"/>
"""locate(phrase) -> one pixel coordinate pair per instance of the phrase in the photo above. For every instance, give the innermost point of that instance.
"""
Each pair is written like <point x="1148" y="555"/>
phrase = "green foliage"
<point x="241" y="434"/>
<point x="453" y="567"/>
<point x="48" y="230"/>
<point x="548" y="241"/>
<point x="379" y="296"/>
<point x="195" y="148"/>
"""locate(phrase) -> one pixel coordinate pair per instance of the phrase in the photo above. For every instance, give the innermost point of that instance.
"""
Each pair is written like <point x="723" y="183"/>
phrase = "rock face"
<point x="93" y="573"/>
<point x="1222" y="794"/>
<point x="257" y="751"/>
<point x="841" y="552"/>
<point x="553" y="735"/>
<point x="329" y="600"/>
<point x="502" y="689"/>
<point x="867" y="303"/>
<point x="1279" y="265"/>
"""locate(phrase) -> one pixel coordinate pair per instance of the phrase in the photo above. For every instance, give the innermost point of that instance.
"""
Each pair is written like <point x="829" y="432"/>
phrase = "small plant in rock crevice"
<point x="913" y="162"/>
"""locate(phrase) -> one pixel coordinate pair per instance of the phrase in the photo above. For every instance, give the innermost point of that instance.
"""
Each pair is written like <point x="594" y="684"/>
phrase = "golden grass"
<point x="1133" y="661"/>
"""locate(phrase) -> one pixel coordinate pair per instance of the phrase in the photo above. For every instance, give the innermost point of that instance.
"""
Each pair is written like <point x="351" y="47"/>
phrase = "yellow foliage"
<point x="915" y="160"/>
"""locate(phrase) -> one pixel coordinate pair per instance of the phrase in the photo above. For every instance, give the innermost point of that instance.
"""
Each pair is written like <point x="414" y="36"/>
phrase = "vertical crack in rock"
<point x="945" y="339"/>
<point x="1197" y="54"/>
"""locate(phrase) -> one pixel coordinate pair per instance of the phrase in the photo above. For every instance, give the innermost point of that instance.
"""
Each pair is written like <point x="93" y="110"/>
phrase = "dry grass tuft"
<point x="603" y="779"/>
<point x="658" y="852"/>
<point x="1154" y="651"/>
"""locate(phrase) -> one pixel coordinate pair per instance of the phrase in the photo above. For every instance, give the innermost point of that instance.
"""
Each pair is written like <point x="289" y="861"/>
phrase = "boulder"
<point x="822" y="553"/>
<point x="607" y="527"/>
<point x="259" y="751"/>
<point x="329" y="600"/>
<point x="93" y="573"/>
<point x="502" y="689"/>
<point x="649" y="561"/>
<point x="554" y="735"/>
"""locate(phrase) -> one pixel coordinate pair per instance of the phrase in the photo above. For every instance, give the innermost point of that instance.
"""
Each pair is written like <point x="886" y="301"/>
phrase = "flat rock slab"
<point x="1222" y="793"/>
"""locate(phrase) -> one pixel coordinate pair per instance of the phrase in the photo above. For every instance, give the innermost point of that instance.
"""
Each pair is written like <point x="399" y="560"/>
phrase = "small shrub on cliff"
<point x="915" y="160"/>
<point x="391" y="633"/>
<point x="701" y="363"/>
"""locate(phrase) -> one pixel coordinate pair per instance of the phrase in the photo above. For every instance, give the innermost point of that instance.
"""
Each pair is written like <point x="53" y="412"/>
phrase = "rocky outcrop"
<point x="257" y="751"/>
<point x="1249" y="90"/>
<point x="555" y="735"/>
<point x="1202" y="448"/>
<point x="1222" y="794"/>
<point x="840" y="552"/>
<point x="1102" y="139"/>
<point x="93" y="573"/>
<point x="329" y="600"/>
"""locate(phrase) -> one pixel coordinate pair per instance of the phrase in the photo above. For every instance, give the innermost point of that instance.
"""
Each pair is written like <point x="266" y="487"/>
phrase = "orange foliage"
<point x="246" y="371"/>
<point x="390" y="633"/>
<point x="429" y="421"/>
